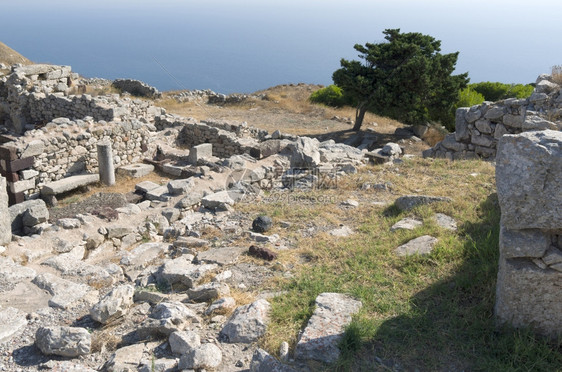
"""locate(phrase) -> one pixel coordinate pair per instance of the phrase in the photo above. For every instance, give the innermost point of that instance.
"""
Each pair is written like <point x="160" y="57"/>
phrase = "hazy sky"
<point x="248" y="45"/>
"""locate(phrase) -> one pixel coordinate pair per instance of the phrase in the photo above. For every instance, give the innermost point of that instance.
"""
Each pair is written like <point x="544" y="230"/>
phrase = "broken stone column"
<point x="5" y="226"/>
<point x="529" y="185"/>
<point x="105" y="164"/>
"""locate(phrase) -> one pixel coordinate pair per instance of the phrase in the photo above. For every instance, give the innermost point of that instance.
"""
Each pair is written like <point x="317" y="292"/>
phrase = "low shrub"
<point x="331" y="95"/>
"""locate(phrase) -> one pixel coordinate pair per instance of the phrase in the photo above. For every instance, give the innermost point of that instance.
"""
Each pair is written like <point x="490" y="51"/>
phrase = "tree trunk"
<point x="359" y="115"/>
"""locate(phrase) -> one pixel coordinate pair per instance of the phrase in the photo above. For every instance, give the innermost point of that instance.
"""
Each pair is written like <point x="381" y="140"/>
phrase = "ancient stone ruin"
<point x="479" y="128"/>
<point x="110" y="262"/>
<point x="529" y="184"/>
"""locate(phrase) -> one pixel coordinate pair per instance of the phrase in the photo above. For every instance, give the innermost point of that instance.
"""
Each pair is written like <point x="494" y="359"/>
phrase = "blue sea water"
<point x="247" y="45"/>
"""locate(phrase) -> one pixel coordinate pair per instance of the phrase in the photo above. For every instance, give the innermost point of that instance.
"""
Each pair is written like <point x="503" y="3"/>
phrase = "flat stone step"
<point x="325" y="329"/>
<point x="69" y="184"/>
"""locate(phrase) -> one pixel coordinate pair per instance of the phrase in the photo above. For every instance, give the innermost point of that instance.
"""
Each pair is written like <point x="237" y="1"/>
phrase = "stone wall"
<point x="529" y="184"/>
<point x="65" y="148"/>
<point x="136" y="88"/>
<point x="479" y="128"/>
<point x="34" y="95"/>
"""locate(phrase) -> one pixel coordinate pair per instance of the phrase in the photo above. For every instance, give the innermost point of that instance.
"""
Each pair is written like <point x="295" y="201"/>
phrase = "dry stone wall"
<point x="529" y="184"/>
<point x="64" y="148"/>
<point x="480" y="127"/>
<point x="33" y="95"/>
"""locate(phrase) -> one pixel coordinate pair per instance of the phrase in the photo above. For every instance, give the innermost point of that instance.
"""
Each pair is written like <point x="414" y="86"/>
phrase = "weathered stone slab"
<point x="12" y="273"/>
<point x="5" y="223"/>
<point x="222" y="256"/>
<point x="445" y="221"/>
<point x="422" y="245"/>
<point x="182" y="271"/>
<point x="408" y="202"/>
<point x="146" y="186"/>
<point x="218" y="200"/>
<point x="207" y="292"/>
<point x="69" y="184"/>
<point x="179" y="187"/>
<point x="160" y="193"/>
<point x="324" y="330"/>
<point x="528" y="168"/>
<point x="407" y="223"/>
<point x="13" y="321"/>
<point x="126" y="358"/>
<point x="135" y="170"/>
<point x="65" y="293"/>
<point x="144" y="254"/>
<point x="182" y="342"/>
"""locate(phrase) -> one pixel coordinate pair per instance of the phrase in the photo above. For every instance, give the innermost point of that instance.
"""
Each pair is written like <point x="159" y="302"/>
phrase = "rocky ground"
<point x="169" y="275"/>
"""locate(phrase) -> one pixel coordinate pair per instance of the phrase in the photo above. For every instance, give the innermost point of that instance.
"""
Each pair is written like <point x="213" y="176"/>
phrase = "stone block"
<point x="5" y="223"/>
<point x="19" y="164"/>
<point x="461" y="125"/>
<point x="68" y="184"/>
<point x="21" y="186"/>
<point x="528" y="169"/>
<point x="135" y="170"/>
<point x="528" y="296"/>
<point x="523" y="243"/>
<point x="33" y="148"/>
<point x="199" y="152"/>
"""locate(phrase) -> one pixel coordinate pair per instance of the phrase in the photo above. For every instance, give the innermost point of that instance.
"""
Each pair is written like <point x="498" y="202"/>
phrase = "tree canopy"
<point x="405" y="78"/>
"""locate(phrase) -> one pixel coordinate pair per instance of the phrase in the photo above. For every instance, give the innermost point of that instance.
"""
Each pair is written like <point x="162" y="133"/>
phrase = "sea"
<point x="248" y="45"/>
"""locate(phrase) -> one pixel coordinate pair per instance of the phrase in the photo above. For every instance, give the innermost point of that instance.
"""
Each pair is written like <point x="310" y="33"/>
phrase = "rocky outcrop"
<point x="529" y="186"/>
<point x="479" y="128"/>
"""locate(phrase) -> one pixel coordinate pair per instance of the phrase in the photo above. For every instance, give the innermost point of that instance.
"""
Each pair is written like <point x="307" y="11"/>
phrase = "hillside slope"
<point x="8" y="56"/>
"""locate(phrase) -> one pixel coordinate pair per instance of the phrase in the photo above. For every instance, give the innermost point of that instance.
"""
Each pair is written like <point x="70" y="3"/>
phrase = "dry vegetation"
<point x="287" y="108"/>
<point x="557" y="74"/>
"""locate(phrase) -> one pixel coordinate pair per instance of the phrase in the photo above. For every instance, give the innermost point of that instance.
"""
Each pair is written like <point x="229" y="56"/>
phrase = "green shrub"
<point x="497" y="91"/>
<point x="521" y="91"/>
<point x="331" y="95"/>
<point x="469" y="97"/>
